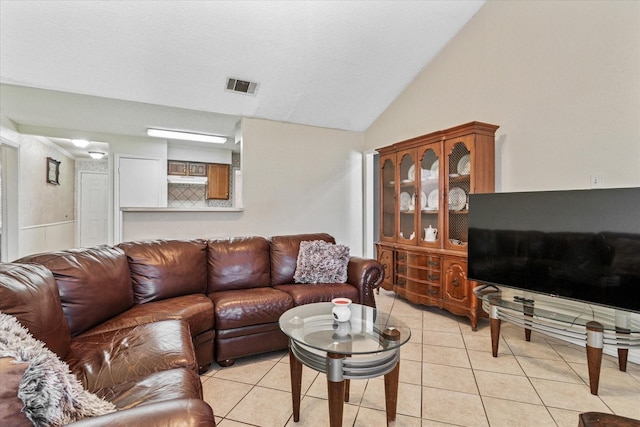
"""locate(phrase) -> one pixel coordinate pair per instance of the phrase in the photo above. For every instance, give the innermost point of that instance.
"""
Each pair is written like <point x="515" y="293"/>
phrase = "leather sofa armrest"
<point x="366" y="275"/>
<point x="183" y="412"/>
<point x="600" y="419"/>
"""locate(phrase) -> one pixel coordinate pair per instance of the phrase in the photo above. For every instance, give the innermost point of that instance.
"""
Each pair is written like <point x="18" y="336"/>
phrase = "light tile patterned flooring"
<point x="447" y="377"/>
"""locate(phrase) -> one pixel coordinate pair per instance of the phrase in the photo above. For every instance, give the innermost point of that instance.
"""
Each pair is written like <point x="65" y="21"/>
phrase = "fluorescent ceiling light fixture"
<point x="186" y="136"/>
<point x="96" y="154"/>
<point x="80" y="142"/>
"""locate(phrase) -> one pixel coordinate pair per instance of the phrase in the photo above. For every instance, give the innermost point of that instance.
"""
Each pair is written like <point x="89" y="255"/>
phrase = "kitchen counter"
<point x="172" y="209"/>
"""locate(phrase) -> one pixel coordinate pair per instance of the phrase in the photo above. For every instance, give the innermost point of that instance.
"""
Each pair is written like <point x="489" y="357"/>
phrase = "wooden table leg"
<point x="296" y="384"/>
<point x="335" y="388"/>
<point x="623" y="353"/>
<point x="528" y="312"/>
<point x="595" y="341"/>
<point x="391" y="392"/>
<point x="494" y="324"/>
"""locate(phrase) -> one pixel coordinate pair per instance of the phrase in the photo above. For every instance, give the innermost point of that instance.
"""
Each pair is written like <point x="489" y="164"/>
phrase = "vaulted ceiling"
<point x="119" y="67"/>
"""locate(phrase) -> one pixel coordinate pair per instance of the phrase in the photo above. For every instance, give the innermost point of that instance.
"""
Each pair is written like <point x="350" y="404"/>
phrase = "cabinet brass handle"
<point x="433" y="277"/>
<point x="433" y="263"/>
<point x="433" y="292"/>
<point x="455" y="282"/>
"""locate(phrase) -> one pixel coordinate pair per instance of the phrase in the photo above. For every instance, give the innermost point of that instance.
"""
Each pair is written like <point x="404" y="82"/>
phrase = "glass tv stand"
<point x="581" y="323"/>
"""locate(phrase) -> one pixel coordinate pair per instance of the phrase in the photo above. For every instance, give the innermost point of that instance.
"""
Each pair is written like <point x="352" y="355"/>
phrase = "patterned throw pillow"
<point x="321" y="262"/>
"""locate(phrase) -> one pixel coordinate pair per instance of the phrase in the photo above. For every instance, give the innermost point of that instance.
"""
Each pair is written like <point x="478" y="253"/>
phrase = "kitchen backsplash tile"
<point x="186" y="196"/>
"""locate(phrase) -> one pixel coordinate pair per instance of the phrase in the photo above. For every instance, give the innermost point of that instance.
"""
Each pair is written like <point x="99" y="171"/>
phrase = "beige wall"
<point x="562" y="79"/>
<point x="45" y="218"/>
<point x="296" y="179"/>
<point x="56" y="202"/>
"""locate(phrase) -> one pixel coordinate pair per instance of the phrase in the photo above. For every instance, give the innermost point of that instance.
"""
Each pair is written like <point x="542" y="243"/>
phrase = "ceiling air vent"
<point x="241" y="86"/>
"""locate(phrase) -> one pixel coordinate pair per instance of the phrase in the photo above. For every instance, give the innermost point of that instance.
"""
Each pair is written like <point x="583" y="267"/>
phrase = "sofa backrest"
<point x="163" y="269"/>
<point x="238" y="263"/>
<point x="29" y="293"/>
<point x="94" y="283"/>
<point x="284" y="255"/>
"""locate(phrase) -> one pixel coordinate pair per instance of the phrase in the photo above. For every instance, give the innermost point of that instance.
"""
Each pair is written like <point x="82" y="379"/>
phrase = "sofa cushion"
<point x="234" y="343"/>
<point x="321" y="262"/>
<point x="10" y="404"/>
<point x="196" y="310"/>
<point x="29" y="293"/>
<point x="110" y="358"/>
<point x="159" y="386"/>
<point x="284" y="255"/>
<point x="94" y="283"/>
<point x="49" y="391"/>
<point x="319" y="292"/>
<point x="163" y="269"/>
<point x="238" y="263"/>
<point x="247" y="307"/>
<point x="178" y="412"/>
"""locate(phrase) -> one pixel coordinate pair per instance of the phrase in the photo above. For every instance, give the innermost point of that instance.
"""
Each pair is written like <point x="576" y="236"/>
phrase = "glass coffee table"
<point x="365" y="346"/>
<point x="591" y="325"/>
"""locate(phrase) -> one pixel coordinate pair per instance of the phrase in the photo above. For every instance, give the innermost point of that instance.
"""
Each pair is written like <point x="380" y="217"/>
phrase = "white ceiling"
<point x="335" y="64"/>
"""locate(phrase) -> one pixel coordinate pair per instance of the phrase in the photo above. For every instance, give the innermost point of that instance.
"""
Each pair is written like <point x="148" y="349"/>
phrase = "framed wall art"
<point x="53" y="171"/>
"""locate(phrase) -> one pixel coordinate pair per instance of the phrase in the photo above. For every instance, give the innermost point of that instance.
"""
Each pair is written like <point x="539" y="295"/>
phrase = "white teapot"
<point x="430" y="234"/>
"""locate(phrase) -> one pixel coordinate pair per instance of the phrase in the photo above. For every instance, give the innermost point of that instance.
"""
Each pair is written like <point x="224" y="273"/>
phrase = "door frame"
<point x="10" y="181"/>
<point x="371" y="204"/>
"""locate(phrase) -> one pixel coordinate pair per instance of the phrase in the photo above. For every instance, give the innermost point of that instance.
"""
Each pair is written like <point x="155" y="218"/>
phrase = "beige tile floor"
<point x="447" y="377"/>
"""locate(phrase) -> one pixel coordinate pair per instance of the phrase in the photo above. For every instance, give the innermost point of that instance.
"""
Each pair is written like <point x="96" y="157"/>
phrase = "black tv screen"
<point x="578" y="244"/>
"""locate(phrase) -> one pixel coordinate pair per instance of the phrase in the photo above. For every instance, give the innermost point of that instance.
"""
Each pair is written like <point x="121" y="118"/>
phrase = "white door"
<point x="94" y="197"/>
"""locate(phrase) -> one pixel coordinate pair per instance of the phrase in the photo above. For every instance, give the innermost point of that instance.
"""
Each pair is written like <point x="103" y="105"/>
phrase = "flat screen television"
<point x="579" y="244"/>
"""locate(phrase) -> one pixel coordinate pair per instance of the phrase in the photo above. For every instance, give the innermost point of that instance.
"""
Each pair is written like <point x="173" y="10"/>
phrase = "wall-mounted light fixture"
<point x="97" y="155"/>
<point x="186" y="136"/>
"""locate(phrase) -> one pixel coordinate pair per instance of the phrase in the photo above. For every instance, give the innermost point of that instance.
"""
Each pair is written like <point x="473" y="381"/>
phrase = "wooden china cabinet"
<point x="424" y="188"/>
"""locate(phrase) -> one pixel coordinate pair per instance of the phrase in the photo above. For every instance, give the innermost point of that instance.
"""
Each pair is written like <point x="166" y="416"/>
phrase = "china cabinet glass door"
<point x="429" y="226"/>
<point x="459" y="171"/>
<point x="407" y="198"/>
<point x="388" y="198"/>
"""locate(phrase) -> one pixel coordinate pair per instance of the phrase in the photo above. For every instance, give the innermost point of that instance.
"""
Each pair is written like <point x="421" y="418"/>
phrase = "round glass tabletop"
<point x="367" y="331"/>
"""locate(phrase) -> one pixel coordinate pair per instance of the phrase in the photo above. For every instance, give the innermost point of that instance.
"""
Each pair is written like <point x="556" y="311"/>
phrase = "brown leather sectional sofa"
<point x="136" y="322"/>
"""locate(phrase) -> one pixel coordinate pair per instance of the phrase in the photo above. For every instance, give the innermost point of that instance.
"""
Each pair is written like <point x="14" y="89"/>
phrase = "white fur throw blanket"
<point x="51" y="394"/>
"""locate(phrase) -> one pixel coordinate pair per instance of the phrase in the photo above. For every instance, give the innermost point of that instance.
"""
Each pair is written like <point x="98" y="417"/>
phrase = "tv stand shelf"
<point x="589" y="324"/>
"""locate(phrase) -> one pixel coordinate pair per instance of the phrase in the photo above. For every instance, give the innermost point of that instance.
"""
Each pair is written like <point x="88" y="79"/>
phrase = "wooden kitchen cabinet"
<point x="424" y="186"/>
<point x="197" y="169"/>
<point x="218" y="181"/>
<point x="177" y="167"/>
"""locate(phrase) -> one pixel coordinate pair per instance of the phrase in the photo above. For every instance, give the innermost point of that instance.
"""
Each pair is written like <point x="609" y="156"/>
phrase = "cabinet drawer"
<point x="423" y="290"/>
<point x="426" y="275"/>
<point x="419" y="259"/>
<point x="434" y="291"/>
